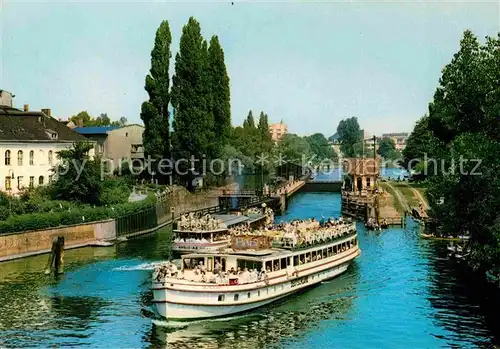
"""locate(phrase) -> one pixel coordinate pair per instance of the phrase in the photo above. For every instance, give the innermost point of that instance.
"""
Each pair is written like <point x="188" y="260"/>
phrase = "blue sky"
<point x="308" y="63"/>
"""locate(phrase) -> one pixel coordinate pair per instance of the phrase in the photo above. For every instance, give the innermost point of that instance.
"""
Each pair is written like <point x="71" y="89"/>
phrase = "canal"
<point x="401" y="292"/>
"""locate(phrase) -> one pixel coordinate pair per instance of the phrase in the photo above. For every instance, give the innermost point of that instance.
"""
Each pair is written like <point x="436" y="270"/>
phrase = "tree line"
<point x="199" y="96"/>
<point x="457" y="145"/>
<point x="351" y="138"/>
<point x="84" y="119"/>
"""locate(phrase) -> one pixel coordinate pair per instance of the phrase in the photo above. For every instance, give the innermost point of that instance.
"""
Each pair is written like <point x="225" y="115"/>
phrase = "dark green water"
<point x="402" y="292"/>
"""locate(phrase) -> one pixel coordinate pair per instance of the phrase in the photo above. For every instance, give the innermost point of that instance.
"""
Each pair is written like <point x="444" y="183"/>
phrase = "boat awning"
<point x="231" y="219"/>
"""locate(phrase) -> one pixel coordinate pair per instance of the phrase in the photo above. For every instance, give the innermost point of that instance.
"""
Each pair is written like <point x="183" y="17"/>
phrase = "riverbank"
<point x="406" y="196"/>
<point x="28" y="243"/>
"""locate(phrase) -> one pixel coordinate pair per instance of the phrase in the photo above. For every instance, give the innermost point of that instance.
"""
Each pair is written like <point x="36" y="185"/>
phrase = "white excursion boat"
<point x="252" y="273"/>
<point x="210" y="233"/>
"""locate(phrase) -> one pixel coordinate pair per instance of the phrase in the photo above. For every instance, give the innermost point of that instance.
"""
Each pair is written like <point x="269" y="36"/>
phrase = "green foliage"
<point x="220" y="94"/>
<point x="350" y="137"/>
<point x="191" y="97"/>
<point x="321" y="148"/>
<point x="84" y="119"/>
<point x="233" y="156"/>
<point x="78" y="178"/>
<point x="115" y="191"/>
<point x="294" y="148"/>
<point x="154" y="112"/>
<point x="387" y="149"/>
<point x="420" y="145"/>
<point x="266" y="143"/>
<point x="70" y="216"/>
<point x="463" y="128"/>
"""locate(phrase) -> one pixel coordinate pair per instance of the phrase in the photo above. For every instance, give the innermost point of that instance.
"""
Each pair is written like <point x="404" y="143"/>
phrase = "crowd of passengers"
<point x="192" y="221"/>
<point x="198" y="272"/>
<point x="202" y="240"/>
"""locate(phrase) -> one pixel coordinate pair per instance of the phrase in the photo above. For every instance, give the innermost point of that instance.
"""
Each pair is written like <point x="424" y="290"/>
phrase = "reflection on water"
<point x="401" y="292"/>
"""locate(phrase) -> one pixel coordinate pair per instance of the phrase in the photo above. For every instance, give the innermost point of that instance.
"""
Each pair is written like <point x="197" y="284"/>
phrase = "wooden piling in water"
<point x="56" y="258"/>
<point x="59" y="255"/>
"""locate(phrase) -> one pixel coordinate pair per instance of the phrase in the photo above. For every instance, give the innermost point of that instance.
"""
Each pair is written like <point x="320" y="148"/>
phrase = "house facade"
<point x="399" y="139"/>
<point x="29" y="143"/>
<point x="363" y="173"/>
<point x="116" y="143"/>
<point x="278" y="131"/>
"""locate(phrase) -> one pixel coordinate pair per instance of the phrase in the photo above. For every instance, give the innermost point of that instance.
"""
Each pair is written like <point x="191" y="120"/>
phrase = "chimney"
<point x="26" y="107"/>
<point x="46" y="111"/>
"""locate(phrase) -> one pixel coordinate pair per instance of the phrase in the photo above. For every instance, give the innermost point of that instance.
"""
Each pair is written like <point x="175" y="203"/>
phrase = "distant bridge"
<point x="322" y="186"/>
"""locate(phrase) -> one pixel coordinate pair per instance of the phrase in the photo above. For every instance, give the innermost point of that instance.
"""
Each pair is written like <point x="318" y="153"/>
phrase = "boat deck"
<point x="231" y="219"/>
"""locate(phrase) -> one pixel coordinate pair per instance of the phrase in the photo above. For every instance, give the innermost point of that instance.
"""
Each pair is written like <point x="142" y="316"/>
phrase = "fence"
<point x="137" y="221"/>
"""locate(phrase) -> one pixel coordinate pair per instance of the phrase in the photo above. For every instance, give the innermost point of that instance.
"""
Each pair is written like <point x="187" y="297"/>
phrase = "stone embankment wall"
<point x="40" y="241"/>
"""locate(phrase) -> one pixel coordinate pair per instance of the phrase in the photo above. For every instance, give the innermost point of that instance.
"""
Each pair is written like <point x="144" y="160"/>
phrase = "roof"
<point x="231" y="219"/>
<point x="18" y="125"/>
<point x="395" y="134"/>
<point x="334" y="137"/>
<point x="366" y="166"/>
<point x="95" y="130"/>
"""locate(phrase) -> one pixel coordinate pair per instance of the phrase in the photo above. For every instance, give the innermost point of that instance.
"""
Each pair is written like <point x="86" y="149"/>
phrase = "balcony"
<point x="136" y="151"/>
<point x="136" y="155"/>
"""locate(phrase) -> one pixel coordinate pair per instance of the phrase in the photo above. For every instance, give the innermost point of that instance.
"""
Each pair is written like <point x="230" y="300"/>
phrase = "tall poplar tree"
<point x="154" y="112"/>
<point x="191" y="99"/>
<point x="266" y="143"/>
<point x="220" y="93"/>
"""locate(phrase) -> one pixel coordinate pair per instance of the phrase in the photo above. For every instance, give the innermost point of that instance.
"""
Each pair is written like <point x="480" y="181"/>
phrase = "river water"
<point x="401" y="292"/>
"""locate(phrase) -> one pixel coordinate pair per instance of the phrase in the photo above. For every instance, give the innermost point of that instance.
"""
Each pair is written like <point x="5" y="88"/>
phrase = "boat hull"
<point x="173" y="304"/>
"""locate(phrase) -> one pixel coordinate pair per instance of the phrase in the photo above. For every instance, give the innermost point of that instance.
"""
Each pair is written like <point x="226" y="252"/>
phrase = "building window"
<point x="40" y="180"/>
<point x="126" y="134"/>
<point x="236" y="296"/>
<point x="221" y="298"/>
<point x="20" y="182"/>
<point x="7" y="157"/>
<point x="50" y="157"/>
<point x="367" y="181"/>
<point x="32" y="181"/>
<point x="8" y="183"/>
<point x="20" y="158"/>
<point x="32" y="157"/>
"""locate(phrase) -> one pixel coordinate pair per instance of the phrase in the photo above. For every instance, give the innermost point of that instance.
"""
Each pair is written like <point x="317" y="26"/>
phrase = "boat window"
<point x="248" y="264"/>
<point x="276" y="265"/>
<point x="249" y="295"/>
<point x="269" y="266"/>
<point x="258" y="293"/>
<point x="283" y="263"/>
<point x="236" y="296"/>
<point x="330" y="251"/>
<point x="302" y="259"/>
<point x="295" y="260"/>
<point x="325" y="253"/>
<point x="221" y="298"/>
<point x="192" y="263"/>
<point x="314" y="256"/>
